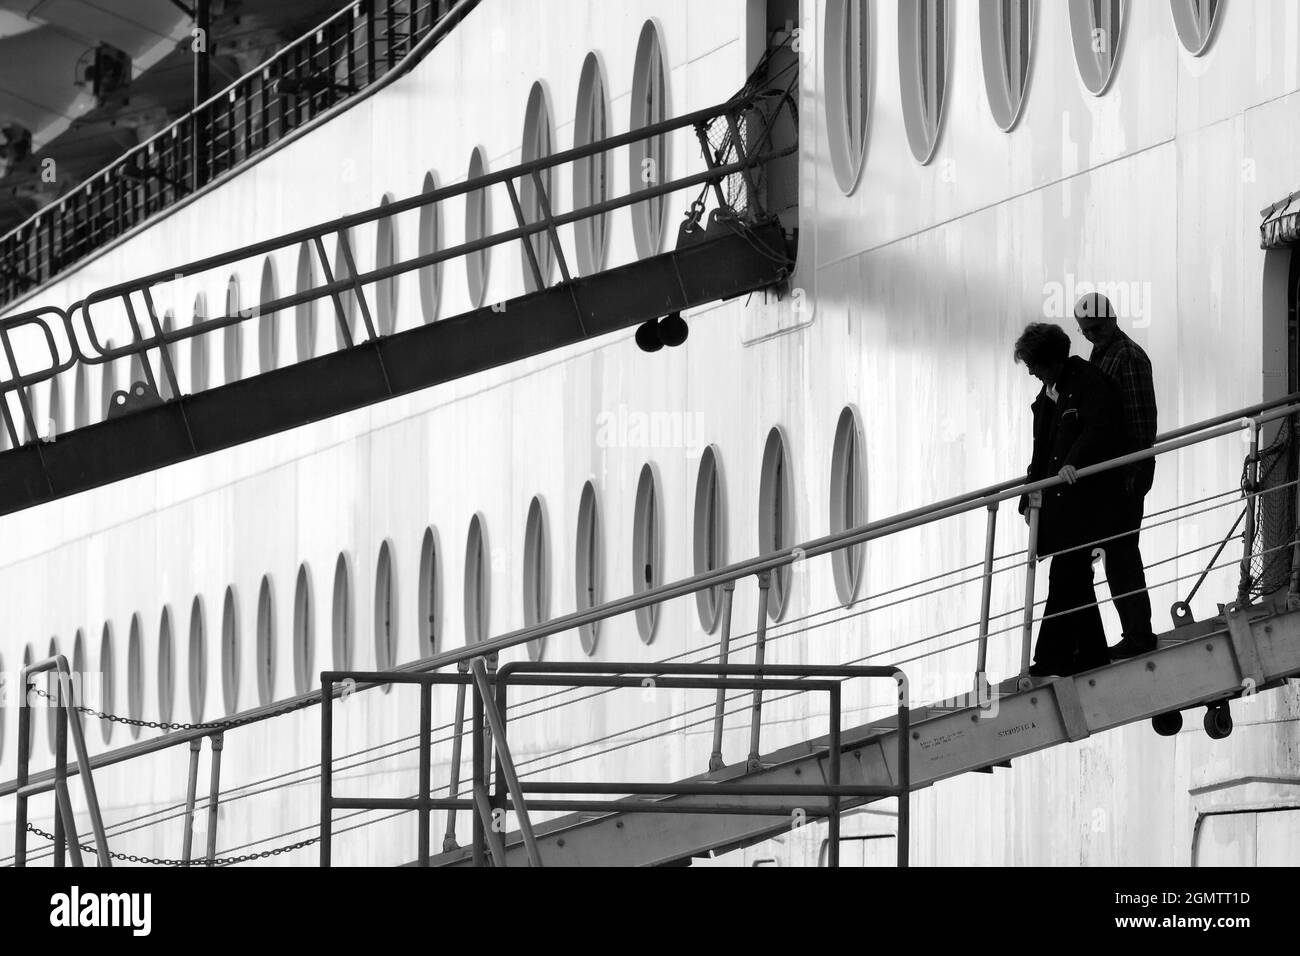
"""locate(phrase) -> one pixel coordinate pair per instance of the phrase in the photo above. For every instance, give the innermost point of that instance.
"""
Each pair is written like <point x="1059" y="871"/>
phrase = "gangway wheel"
<point x="1218" y="720"/>
<point x="1167" y="725"/>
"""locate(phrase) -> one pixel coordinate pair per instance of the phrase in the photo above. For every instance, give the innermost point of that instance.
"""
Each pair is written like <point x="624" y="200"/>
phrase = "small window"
<point x="304" y="313"/>
<point x="80" y="401"/>
<point x="385" y="616"/>
<point x="51" y="712"/>
<point x="587" y="566"/>
<point x="106" y="680"/>
<point x="347" y="300"/>
<point x="233" y="335"/>
<point x="199" y="349"/>
<point x="198" y="661"/>
<point x="776" y="518"/>
<point x="476" y="583"/>
<point x="341" y="631"/>
<point x="476" y="226"/>
<point x="848" y="87"/>
<point x="646" y="550"/>
<point x="536" y="145"/>
<point x="430" y="603"/>
<point x="265" y="642"/>
<point x="1096" y="28"/>
<point x="268" y="325"/>
<point x="1006" y="39"/>
<point x="848" y="503"/>
<point x="385" y="256"/>
<point x="710" y="535"/>
<point x="166" y="668"/>
<point x="591" y="174"/>
<point x="648" y="158"/>
<point x="135" y="675"/>
<point x="923" y="72"/>
<point x="537" y="574"/>
<point x="303" y="640"/>
<point x="1195" y="21"/>
<point x="230" y="652"/>
<point x="430" y="242"/>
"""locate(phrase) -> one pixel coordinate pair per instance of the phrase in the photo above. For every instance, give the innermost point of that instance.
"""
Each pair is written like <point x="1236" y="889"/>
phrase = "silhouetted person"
<point x="1077" y="422"/>
<point x="1124" y="362"/>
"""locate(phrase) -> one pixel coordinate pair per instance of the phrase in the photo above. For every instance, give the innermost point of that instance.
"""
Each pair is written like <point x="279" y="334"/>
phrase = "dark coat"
<point x="1083" y="427"/>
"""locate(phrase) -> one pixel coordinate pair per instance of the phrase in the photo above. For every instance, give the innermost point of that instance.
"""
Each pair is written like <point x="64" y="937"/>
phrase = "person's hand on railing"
<point x="1069" y="474"/>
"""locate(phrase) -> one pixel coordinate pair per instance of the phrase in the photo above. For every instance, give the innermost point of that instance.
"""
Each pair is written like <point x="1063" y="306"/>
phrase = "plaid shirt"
<point x="1128" y="366"/>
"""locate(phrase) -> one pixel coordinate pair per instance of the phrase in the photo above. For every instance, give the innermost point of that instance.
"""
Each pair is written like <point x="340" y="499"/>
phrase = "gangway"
<point x="729" y="245"/>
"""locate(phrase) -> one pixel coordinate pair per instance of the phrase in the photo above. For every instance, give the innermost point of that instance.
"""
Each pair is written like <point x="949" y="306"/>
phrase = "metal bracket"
<point x="140" y="396"/>
<point x="1067" y="702"/>
<point x="1244" y="647"/>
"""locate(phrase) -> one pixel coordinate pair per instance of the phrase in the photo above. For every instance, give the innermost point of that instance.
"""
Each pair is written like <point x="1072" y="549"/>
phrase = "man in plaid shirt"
<point x="1123" y="360"/>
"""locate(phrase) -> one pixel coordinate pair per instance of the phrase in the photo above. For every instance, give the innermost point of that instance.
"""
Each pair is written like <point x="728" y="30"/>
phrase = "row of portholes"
<point x="925" y="56"/>
<point x="776" y="532"/>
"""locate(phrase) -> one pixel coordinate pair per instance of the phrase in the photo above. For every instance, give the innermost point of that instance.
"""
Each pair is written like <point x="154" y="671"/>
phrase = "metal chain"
<point x="203" y="861"/>
<point x="163" y="725"/>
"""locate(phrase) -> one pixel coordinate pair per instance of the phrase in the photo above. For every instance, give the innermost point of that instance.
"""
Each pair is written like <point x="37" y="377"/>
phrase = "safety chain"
<point x="203" y="861"/>
<point x="162" y="725"/>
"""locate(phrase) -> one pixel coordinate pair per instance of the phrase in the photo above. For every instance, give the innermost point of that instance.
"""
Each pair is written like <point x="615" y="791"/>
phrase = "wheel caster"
<point x="1167" y="725"/>
<point x="1218" y="721"/>
<point x="1025" y="683"/>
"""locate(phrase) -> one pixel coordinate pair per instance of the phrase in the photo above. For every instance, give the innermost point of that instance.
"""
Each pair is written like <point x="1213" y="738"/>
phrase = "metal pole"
<point x="986" y="598"/>
<point x="20" y="811"/>
<point x="1246" y="580"/>
<point x="833" y="832"/>
<point x="904" y="771"/>
<point x="504" y="763"/>
<point x="426" y="695"/>
<point x="458" y="733"/>
<point x="326" y="767"/>
<point x="1031" y="568"/>
<point x="476" y="747"/>
<point x="61" y="779"/>
<point x="214" y="792"/>
<point x="202" y="90"/>
<point x="760" y="644"/>
<point x="724" y="650"/>
<point x="191" y="791"/>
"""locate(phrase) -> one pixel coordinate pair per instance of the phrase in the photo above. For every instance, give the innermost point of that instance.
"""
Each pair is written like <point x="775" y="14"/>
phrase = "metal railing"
<point x="57" y="339"/>
<point x="346" y="54"/>
<point x="989" y="498"/>
<point x="508" y="794"/>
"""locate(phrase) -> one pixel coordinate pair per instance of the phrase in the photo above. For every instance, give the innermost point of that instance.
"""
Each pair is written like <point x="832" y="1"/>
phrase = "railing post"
<point x="904" y="771"/>
<point x="724" y="651"/>
<point x="479" y="843"/>
<point x="64" y="809"/>
<point x="191" y="792"/>
<point x="1031" y="567"/>
<point x="339" y="312"/>
<point x="529" y="251"/>
<point x="760" y="645"/>
<point x="457" y="736"/>
<point x="986" y="598"/>
<point x="1251" y="486"/>
<point x="833" y="772"/>
<point x="326" y="768"/>
<point x="505" y="765"/>
<point x="24" y="755"/>
<point x="426" y="720"/>
<point x="214" y="793"/>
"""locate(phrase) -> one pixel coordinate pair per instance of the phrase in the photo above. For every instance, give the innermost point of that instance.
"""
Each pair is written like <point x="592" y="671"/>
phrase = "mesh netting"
<point x="1275" y="511"/>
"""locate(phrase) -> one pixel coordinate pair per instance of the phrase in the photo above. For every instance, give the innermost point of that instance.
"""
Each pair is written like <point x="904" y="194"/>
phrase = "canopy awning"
<point x="1281" y="225"/>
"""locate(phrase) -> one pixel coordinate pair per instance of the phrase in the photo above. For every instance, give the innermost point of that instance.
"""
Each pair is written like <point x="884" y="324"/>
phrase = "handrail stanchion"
<point x="214" y="793"/>
<point x="986" y="598"/>
<point x="479" y="839"/>
<point x="1250" y="486"/>
<point x="527" y="240"/>
<point x="724" y="651"/>
<point x="760" y="646"/>
<point x="24" y="757"/>
<point x="339" y="312"/>
<point x="426" y="722"/>
<point x="505" y="764"/>
<point x="326" y="767"/>
<point x="904" y="770"/>
<point x="191" y="792"/>
<point x="1031" y="567"/>
<point x="61" y="833"/>
<point x="833" y="772"/>
<point x="457" y="735"/>
<point x="358" y="289"/>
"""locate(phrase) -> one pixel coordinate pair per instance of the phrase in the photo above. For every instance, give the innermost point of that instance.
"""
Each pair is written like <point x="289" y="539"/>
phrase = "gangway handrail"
<point x="1253" y="416"/>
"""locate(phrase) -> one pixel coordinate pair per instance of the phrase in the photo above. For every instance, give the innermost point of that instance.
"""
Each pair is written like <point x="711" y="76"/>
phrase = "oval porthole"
<point x="776" y="518"/>
<point x="710" y="535"/>
<point x="54" y="417"/>
<point x="1195" y="21"/>
<point x="587" y="566"/>
<point x="1006" y="42"/>
<point x="591" y="173"/>
<point x="106" y="680"/>
<point x="198" y="349"/>
<point x="51" y="688"/>
<point x="135" y="675"/>
<point x="430" y="277"/>
<point x="303" y="632"/>
<point x="230" y="652"/>
<point x="304" y="313"/>
<point x="168" y="370"/>
<point x="268" y="323"/>
<point x="430" y="603"/>
<point x="923" y="65"/>
<point x="385" y="616"/>
<point x="1096" y="31"/>
<point x="648" y="158"/>
<point x="107" y="386"/>
<point x="532" y="200"/>
<point x="265" y="641"/>
<point x="81" y="678"/>
<point x="198" y="661"/>
<point x="166" y="668"/>
<point x="343" y="310"/>
<point x="476" y="583"/>
<point x="385" y="256"/>
<point x="848" y="87"/>
<point x="848" y="503"/>
<point x="34" y="712"/>
<point x="80" y="401"/>
<point x="233" y="337"/>
<point x="647" y="550"/>
<point x="537" y="575"/>
<point x="341" y="618"/>
<point x="476" y="226"/>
